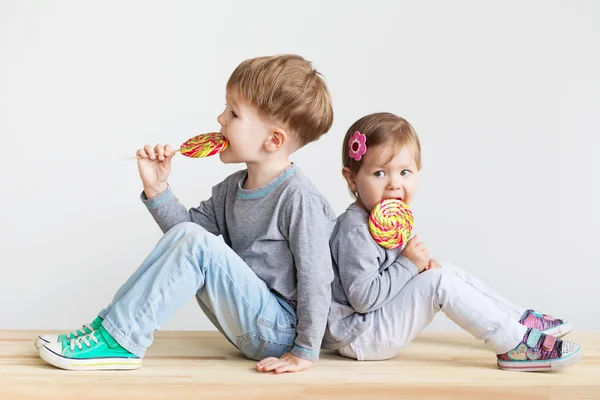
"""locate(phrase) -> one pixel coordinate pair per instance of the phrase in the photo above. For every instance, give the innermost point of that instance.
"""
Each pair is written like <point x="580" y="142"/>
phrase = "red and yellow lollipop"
<point x="200" y="146"/>
<point x="391" y="223"/>
<point x="204" y="145"/>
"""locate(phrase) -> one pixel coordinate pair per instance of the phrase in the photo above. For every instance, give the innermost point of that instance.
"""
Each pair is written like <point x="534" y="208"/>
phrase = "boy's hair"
<point x="385" y="131"/>
<point x="287" y="89"/>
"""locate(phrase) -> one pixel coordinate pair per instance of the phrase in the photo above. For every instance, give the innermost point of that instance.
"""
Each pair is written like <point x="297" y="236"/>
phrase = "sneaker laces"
<point x="76" y="333"/>
<point x="83" y="339"/>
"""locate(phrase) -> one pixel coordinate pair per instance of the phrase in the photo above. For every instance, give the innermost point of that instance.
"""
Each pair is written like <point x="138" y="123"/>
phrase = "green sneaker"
<point x="95" y="351"/>
<point x="85" y="330"/>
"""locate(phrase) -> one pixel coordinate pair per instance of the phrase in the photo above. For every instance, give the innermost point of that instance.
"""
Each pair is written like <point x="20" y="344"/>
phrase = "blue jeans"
<point x="190" y="261"/>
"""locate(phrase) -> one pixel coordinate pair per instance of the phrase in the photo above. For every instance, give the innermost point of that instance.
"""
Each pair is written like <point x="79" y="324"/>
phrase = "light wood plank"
<point x="203" y="365"/>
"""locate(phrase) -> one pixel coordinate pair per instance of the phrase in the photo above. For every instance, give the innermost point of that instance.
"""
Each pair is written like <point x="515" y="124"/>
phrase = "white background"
<point x="505" y="97"/>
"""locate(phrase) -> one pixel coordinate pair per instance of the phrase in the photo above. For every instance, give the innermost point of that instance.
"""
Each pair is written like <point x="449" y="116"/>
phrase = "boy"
<point x="267" y="288"/>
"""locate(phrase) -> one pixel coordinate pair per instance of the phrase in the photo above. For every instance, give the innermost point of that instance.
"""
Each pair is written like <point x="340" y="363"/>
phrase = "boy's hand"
<point x="433" y="264"/>
<point x="154" y="165"/>
<point x="287" y="363"/>
<point x="416" y="252"/>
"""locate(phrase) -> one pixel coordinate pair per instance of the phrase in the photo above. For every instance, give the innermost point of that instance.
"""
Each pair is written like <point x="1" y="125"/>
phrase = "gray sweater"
<point x="367" y="277"/>
<point x="281" y="230"/>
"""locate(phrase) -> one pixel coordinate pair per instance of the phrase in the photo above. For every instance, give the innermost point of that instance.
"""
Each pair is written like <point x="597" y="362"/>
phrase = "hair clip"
<point x="357" y="145"/>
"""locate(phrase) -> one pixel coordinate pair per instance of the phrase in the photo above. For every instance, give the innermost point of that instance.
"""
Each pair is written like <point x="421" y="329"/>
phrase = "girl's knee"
<point x="430" y="281"/>
<point x="431" y="276"/>
<point x="449" y="266"/>
<point x="455" y="270"/>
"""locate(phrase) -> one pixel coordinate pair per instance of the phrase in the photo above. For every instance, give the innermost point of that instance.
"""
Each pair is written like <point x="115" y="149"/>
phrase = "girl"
<point x="383" y="298"/>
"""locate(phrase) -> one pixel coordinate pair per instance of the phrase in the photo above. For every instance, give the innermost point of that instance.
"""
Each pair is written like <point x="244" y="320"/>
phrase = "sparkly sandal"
<point x="540" y="352"/>
<point x="545" y="323"/>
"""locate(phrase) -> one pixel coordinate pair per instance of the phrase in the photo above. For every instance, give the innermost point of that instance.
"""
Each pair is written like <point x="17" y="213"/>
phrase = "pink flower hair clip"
<point x="357" y="145"/>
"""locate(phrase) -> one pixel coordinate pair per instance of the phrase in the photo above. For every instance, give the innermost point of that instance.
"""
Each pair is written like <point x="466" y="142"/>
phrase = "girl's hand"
<point x="416" y="252"/>
<point x="154" y="165"/>
<point x="433" y="264"/>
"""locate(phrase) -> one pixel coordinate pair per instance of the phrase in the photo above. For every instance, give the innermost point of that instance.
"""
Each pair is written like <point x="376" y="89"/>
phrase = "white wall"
<point x="505" y="97"/>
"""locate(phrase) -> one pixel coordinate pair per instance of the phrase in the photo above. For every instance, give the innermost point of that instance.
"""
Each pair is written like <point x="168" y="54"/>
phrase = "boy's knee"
<point x="192" y="232"/>
<point x="186" y="227"/>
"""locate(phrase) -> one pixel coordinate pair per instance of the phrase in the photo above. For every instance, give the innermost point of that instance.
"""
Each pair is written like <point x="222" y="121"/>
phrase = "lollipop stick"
<point x="138" y="157"/>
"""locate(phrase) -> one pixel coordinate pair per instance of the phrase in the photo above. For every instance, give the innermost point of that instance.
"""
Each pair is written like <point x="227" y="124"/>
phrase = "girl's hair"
<point x="385" y="131"/>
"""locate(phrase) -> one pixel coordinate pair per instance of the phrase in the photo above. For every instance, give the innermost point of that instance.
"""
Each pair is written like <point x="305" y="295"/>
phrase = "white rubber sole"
<point x="93" y="364"/>
<point x="560" y="330"/>
<point x="39" y="342"/>
<point x="545" y="365"/>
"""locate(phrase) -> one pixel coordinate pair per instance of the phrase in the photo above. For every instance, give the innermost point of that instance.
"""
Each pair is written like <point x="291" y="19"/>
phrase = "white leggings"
<point x="466" y="300"/>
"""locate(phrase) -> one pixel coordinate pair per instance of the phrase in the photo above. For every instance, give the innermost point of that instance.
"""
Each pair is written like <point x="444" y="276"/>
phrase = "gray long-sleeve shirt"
<point x="281" y="230"/>
<point x="367" y="277"/>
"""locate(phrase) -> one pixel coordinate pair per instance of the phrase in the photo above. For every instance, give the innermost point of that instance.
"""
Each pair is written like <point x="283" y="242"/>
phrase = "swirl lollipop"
<point x="391" y="223"/>
<point x="205" y="145"/>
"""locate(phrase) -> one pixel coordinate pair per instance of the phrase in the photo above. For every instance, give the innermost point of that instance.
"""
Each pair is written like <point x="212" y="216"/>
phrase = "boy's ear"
<point x="350" y="178"/>
<point x="276" y="140"/>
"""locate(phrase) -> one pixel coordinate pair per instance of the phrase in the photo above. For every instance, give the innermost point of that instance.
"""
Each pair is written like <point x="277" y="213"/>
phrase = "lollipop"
<point x="391" y="223"/>
<point x="207" y="144"/>
<point x="204" y="145"/>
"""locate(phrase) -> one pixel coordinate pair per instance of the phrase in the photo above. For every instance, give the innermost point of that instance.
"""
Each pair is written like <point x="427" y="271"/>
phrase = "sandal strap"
<point x="549" y="342"/>
<point x="533" y="338"/>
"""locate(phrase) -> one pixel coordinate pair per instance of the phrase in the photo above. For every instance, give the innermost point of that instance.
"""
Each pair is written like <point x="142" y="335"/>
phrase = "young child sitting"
<point x="383" y="298"/>
<point x="267" y="287"/>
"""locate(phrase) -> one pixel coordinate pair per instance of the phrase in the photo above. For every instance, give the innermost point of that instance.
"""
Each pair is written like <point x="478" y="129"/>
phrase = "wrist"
<point x="305" y="354"/>
<point x="155" y="190"/>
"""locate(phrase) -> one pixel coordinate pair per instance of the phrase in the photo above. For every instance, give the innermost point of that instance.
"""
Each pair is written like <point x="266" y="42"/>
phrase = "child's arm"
<point x="359" y="259"/>
<point x="167" y="211"/>
<point x="154" y="165"/>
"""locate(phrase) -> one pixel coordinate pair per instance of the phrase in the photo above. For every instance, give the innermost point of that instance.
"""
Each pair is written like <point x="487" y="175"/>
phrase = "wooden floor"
<point x="203" y="365"/>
